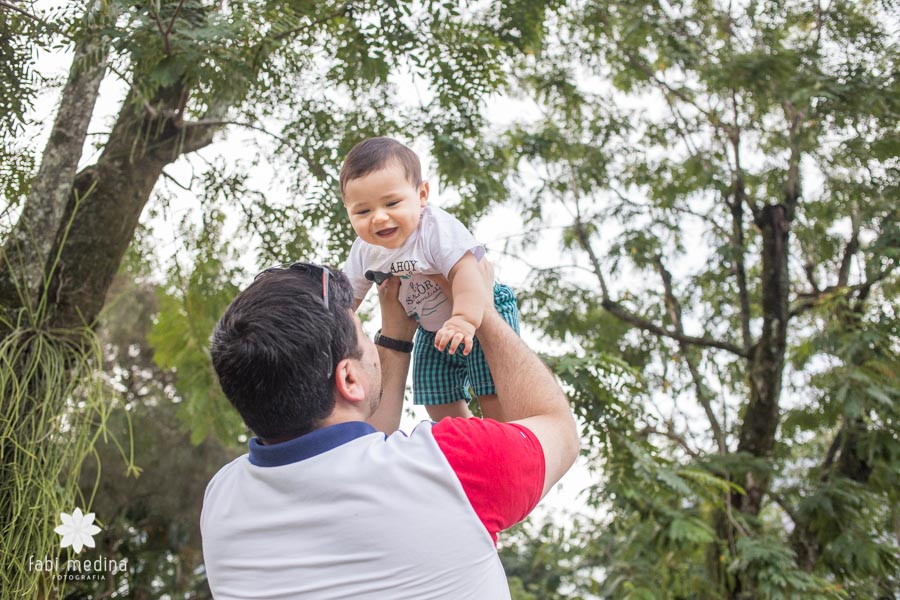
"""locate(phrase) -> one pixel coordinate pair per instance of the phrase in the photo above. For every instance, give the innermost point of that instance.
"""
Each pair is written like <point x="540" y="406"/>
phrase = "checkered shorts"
<point x="441" y="378"/>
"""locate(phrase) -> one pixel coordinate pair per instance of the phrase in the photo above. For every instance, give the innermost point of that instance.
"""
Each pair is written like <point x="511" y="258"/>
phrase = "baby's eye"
<point x="364" y="211"/>
<point x="393" y="203"/>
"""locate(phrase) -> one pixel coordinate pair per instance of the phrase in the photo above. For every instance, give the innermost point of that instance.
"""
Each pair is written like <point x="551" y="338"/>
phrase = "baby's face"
<point x="384" y="207"/>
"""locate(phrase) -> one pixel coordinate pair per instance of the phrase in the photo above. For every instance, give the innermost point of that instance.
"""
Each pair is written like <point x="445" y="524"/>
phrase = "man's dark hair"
<point x="276" y="348"/>
<point x="377" y="153"/>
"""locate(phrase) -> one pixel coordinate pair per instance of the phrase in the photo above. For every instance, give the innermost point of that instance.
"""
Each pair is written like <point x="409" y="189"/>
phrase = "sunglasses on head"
<point x="305" y="267"/>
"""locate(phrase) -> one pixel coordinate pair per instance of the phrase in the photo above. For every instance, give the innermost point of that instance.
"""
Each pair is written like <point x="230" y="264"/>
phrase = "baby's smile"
<point x="386" y="233"/>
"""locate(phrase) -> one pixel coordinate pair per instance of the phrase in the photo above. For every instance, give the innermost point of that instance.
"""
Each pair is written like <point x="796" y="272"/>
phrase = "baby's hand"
<point x="455" y="331"/>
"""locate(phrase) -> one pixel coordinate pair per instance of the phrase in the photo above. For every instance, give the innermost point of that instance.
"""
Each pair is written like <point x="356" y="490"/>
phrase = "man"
<point x="331" y="501"/>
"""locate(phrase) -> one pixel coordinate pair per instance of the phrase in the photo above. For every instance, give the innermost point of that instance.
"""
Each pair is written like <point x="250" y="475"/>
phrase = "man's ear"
<point x="424" y="190"/>
<point x="347" y="382"/>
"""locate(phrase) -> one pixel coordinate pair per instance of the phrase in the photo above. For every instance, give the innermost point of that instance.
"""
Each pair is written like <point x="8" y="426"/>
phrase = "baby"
<point x="401" y="236"/>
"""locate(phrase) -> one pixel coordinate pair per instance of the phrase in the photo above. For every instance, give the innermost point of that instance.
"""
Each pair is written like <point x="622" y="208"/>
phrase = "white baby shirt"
<point x="434" y="248"/>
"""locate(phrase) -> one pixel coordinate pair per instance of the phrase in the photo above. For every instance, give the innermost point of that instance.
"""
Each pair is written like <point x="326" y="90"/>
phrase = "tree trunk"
<point x="27" y="253"/>
<point x="90" y="236"/>
<point x="106" y="204"/>
<point x="765" y="367"/>
<point x="766" y="362"/>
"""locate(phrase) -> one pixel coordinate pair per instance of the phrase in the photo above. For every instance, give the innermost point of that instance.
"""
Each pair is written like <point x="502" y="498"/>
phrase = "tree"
<point x="541" y="562"/>
<point x="735" y="243"/>
<point x="317" y="76"/>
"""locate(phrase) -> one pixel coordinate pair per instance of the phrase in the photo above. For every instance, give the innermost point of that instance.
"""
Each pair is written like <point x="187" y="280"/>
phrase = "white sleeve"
<point x="356" y="272"/>
<point x="447" y="240"/>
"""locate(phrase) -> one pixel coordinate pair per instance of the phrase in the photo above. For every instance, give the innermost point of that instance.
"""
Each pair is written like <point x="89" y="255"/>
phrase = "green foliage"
<point x="777" y="573"/>
<point x="20" y="37"/>
<point x="664" y="129"/>
<point x="741" y="106"/>
<point x="55" y="407"/>
<point x="540" y="562"/>
<point x="151" y="520"/>
<point x="188" y="313"/>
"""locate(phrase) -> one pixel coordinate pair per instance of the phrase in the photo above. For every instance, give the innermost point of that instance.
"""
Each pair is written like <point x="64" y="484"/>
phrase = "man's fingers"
<point x="389" y="285"/>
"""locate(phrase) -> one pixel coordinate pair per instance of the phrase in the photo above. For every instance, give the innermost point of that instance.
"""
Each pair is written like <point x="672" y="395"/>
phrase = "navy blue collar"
<point x="306" y="446"/>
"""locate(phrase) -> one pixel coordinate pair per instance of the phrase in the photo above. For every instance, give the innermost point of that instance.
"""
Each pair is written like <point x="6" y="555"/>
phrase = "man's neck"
<point x="333" y="419"/>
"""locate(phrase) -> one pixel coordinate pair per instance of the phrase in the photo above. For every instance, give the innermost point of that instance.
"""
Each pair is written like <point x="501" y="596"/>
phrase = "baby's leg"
<point x="436" y="412"/>
<point x="490" y="407"/>
<point x="439" y="379"/>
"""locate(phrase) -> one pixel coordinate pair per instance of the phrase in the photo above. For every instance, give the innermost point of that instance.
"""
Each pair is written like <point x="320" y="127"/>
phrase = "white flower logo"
<point x="77" y="530"/>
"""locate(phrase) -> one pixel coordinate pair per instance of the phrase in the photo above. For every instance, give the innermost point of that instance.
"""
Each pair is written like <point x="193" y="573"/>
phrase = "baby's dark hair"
<point x="375" y="154"/>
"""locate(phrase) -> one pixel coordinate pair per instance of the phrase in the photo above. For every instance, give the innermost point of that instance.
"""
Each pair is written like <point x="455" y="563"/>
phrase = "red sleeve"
<point x="500" y="466"/>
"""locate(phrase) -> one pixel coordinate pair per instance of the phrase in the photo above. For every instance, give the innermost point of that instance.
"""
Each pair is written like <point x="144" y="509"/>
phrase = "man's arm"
<point x="395" y="323"/>
<point x="467" y="291"/>
<point x="529" y="395"/>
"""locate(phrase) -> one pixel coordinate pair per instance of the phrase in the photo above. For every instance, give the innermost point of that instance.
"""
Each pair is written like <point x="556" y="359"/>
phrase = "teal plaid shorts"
<point x="441" y="377"/>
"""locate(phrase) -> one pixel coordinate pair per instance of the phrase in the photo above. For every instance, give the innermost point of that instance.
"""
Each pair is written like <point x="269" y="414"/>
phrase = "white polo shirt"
<point x="346" y="512"/>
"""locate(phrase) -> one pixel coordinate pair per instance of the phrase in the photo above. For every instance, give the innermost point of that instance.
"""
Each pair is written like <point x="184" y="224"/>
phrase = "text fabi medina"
<point x="98" y="565"/>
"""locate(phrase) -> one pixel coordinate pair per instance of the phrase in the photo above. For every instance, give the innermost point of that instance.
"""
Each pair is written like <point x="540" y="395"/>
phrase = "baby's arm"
<point x="467" y="286"/>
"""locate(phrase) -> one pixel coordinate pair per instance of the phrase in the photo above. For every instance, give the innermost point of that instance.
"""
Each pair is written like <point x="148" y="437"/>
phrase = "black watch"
<point x="398" y="345"/>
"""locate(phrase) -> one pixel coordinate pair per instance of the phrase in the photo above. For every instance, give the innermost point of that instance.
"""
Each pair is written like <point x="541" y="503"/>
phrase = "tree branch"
<point x="261" y="46"/>
<point x="165" y="36"/>
<point x="174" y="16"/>
<point x="165" y="32"/>
<point x="707" y="218"/>
<point x="740" y="272"/>
<point x="674" y="436"/>
<point x="29" y="15"/>
<point x="850" y="249"/>
<point x="642" y="66"/>
<point x="29" y="246"/>
<point x="832" y="452"/>
<point x="219" y="123"/>
<point x="623" y="314"/>
<point x="780" y="501"/>
<point x="811" y="300"/>
<point x="186" y="188"/>
<point x="674" y="308"/>
<point x="737" y="225"/>
<point x="792" y="188"/>
<point x="809" y="268"/>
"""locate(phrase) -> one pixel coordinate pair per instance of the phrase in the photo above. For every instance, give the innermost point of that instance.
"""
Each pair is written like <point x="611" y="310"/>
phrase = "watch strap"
<point x="391" y="343"/>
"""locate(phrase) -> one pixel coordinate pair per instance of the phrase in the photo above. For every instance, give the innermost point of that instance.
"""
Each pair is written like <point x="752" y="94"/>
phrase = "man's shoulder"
<point x="500" y="467"/>
<point x="227" y="470"/>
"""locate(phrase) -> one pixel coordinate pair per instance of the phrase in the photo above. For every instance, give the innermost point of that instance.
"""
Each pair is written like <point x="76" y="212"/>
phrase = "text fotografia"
<point x="74" y="569"/>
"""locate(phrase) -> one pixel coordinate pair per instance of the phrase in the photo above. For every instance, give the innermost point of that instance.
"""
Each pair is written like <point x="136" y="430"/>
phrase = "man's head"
<point x="383" y="191"/>
<point x="283" y="358"/>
